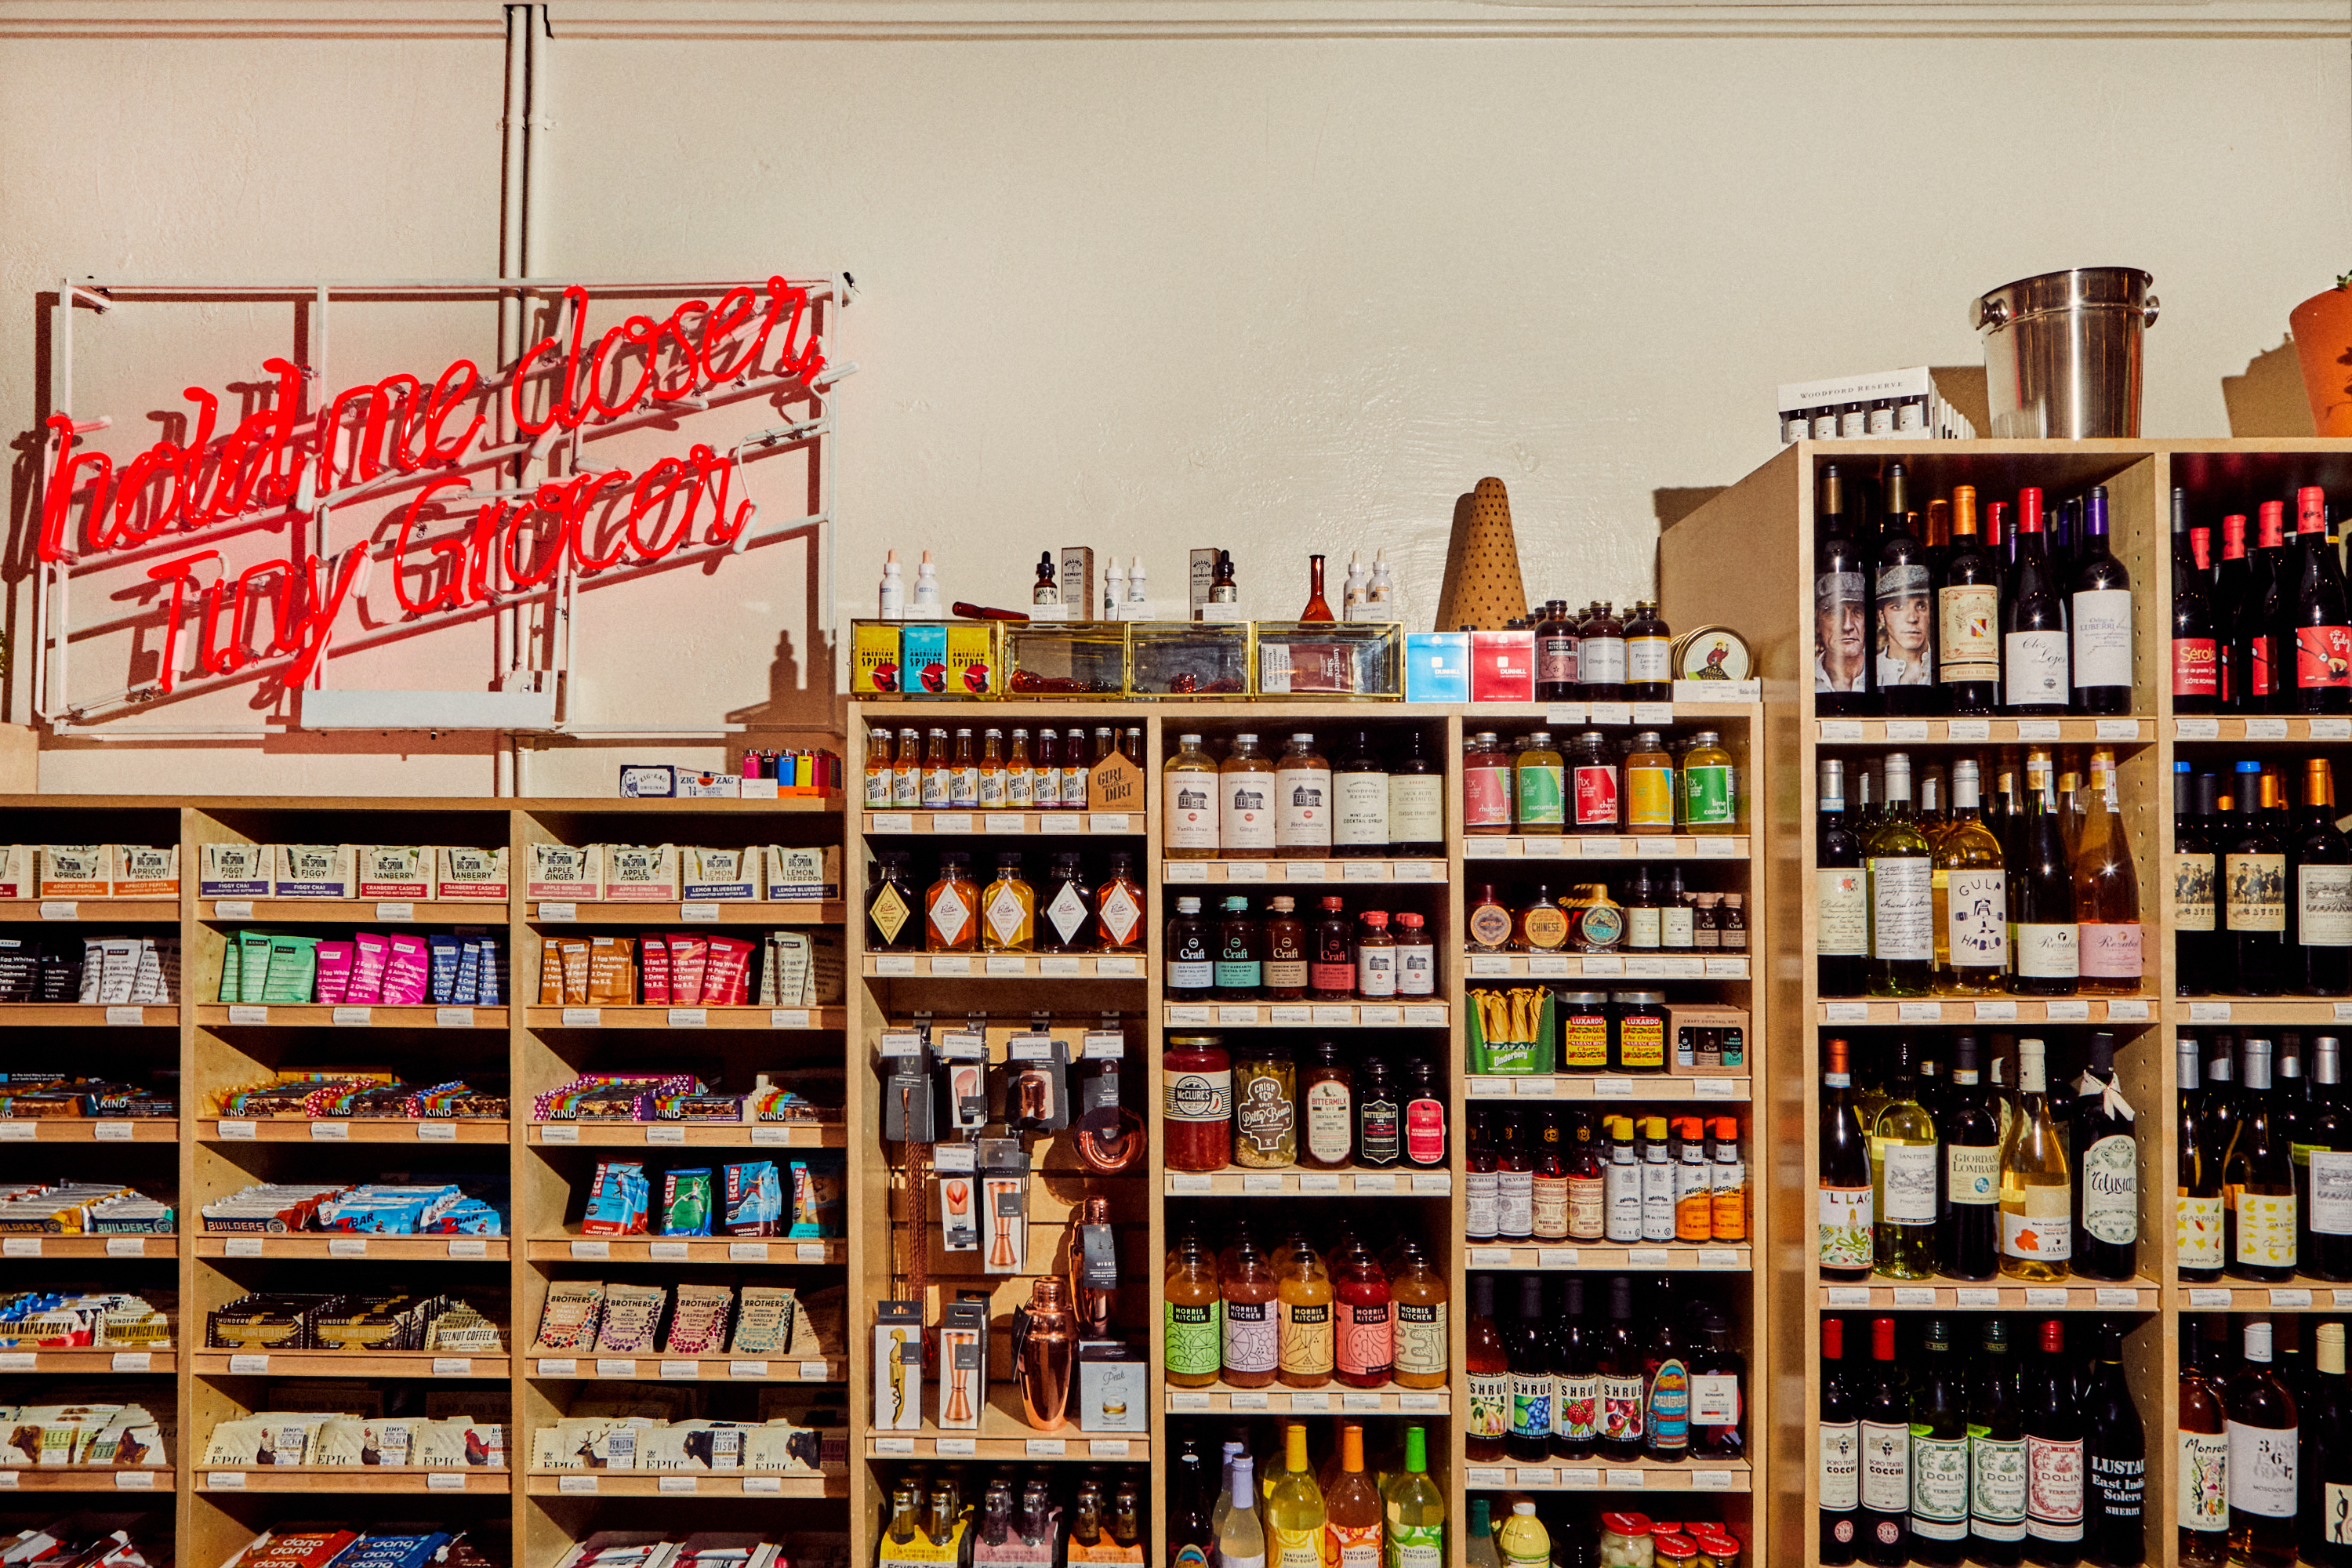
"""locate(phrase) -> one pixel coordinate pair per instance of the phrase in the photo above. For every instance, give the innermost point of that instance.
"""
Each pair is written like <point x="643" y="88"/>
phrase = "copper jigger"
<point x="1049" y="1354"/>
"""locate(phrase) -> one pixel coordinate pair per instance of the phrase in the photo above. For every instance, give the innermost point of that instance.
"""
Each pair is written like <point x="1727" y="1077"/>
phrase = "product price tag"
<point x="2118" y="729"/>
<point x="591" y="1251"/>
<point x="769" y="1135"/>
<point x="894" y="964"/>
<point x="225" y="1480"/>
<point x="238" y="1246"/>
<point x="1060" y="825"/>
<point x="1996" y="1011"/>
<point x="560" y="1132"/>
<point x="583" y="1017"/>
<point x="1598" y="848"/>
<point x="890" y="822"/>
<point x="131" y="1016"/>
<point x="1181" y="1400"/>
<point x="1358" y="1403"/>
<point x="1558" y="713"/>
<point x="1490" y="1258"/>
<point x="354" y="1017"/>
<point x="1492" y="1476"/>
<point x="1978" y="1296"/>
<point x="1379" y="1017"/>
<point x="2343" y="1298"/>
<point x="1109" y="822"/>
<point x="1646" y="967"/>
<point x="1001" y="964"/>
<point x="331" y="1132"/>
<point x="576" y="1486"/>
<point x="2265" y="729"/>
<point x="2197" y="729"/>
<point x="1260" y="1181"/>
<point x="1258" y="870"/>
<point x="1363" y="871"/>
<point x="1304" y="870"/>
<point x="1626" y="1481"/>
<point x="60" y="910"/>
<point x="558" y="1366"/>
<point x="1244" y="1013"/>
<point x="664" y="1132"/>
<point x="753" y="1369"/>
<point x="347" y="1246"/>
<point x="1907" y="729"/>
<point x="1557" y="1257"/>
<point x="1915" y="1295"/>
<point x="1654" y="714"/>
<point x="1648" y="1257"/>
<point x="2037" y="728"/>
<point x="2123" y="1296"/>
<point x="554" y="911"/>
<point x="1420" y="1401"/>
<point x="1249" y="1399"/>
<point x="30" y="1131"/>
<point x="452" y="1366"/>
<point x="1608" y="713"/>
<point x="1603" y="966"/>
<point x="1833" y="729"/>
<point x="955" y="1447"/>
<point x="1535" y="1087"/>
<point x="1375" y="1182"/>
<point x="1289" y="1013"/>
<point x="134" y="1361"/>
<point x="2331" y="729"/>
<point x="2209" y="1012"/>
<point x="126" y="1247"/>
<point x="1718" y="1089"/>
<point x="2285" y="1298"/>
<point x="1845" y="1012"/>
<point x="677" y="1485"/>
<point x="1537" y="1476"/>
<point x="1544" y="848"/>
<point x="395" y="910"/>
<point x="2045" y="1295"/>
<point x="1426" y="1183"/>
<point x="1107" y="1448"/>
<point x="1848" y="1295"/>
<point x="1710" y="1480"/>
<point x="668" y="1251"/>
<point x="453" y="1018"/>
<point x="2067" y="1010"/>
<point x="1002" y="822"/>
<point x="1324" y="1182"/>
<point x="1418" y="871"/>
<point x="1187" y="1012"/>
<point x="117" y="1132"/>
<point x="617" y="1367"/>
<point x="790" y="1018"/>
<point x="1184" y="871"/>
<point x="2208" y="1300"/>
<point x="2127" y="1010"/>
<point x="705" y="913"/>
<point x="802" y="1252"/>
<point x="1613" y="1089"/>
<point x="689" y="1018"/>
<point x="232" y="908"/>
<point x="1187" y="1183"/>
<point x="1918" y="1012"/>
<point x="19" y="1361"/>
<point x="1420" y="1017"/>
<point x="951" y="822"/>
<point x="1548" y="965"/>
<point x="770" y="1486"/>
<point x="1580" y="1480"/>
<point x="757" y="1252"/>
<point x="1724" y="1258"/>
<point x="1486" y="1087"/>
<point x="249" y="1366"/>
<point x="1725" y="968"/>
<point x="1341" y="1014"/>
<point x="134" y="1480"/>
<point x="1120" y="968"/>
<point x="680" y="1369"/>
<point x="252" y="1015"/>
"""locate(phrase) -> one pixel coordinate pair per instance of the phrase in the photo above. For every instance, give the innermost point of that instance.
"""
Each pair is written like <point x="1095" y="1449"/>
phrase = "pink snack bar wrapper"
<point x="726" y="973"/>
<point x="370" y="949"/>
<point x="407" y="973"/>
<point x="334" y="972"/>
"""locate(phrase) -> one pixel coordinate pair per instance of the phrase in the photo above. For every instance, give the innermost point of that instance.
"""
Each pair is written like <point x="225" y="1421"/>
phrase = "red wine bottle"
<point x="2233" y="583"/>
<point x="2270" y="610"/>
<point x="2196" y="662"/>
<point x="1968" y="1232"/>
<point x="1885" y="1456"/>
<point x="2323" y="890"/>
<point x="2100" y="616"/>
<point x="2033" y="641"/>
<point x="2321" y="651"/>
<point x="2106" y="1182"/>
<point x="2264" y="1440"/>
<point x="1843" y="658"/>
<point x="2253" y="890"/>
<point x="1838" y="1451"/>
<point x="1903" y="635"/>
<point x="1968" y="616"/>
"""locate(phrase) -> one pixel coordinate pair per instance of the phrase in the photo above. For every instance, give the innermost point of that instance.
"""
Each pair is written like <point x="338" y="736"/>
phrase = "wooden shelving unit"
<point x="1751" y="549"/>
<point x="200" y="1155"/>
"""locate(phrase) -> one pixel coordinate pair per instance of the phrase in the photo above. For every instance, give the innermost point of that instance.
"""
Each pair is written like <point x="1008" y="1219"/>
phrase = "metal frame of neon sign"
<point x="291" y="464"/>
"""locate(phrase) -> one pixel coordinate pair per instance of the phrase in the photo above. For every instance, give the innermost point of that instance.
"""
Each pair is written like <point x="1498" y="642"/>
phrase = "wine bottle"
<point x="2323" y="628"/>
<point x="2258" y="1178"/>
<point x="2324" y="1452"/>
<point x="1904" y="635"/>
<point x="1900" y="866"/>
<point x="2106" y="891"/>
<point x="1995" y="1451"/>
<point x="1844" y="1205"/>
<point x="1665" y="1375"/>
<point x="2047" y="941"/>
<point x="2106" y="1189"/>
<point x="1968" y="617"/>
<point x="2196" y="1204"/>
<point x="2054" y="1429"/>
<point x="1971" y="896"/>
<point x="2197" y="948"/>
<point x="1842" y="899"/>
<point x="1352" y="1508"/>
<point x="2201" y="1459"/>
<point x="2196" y="636"/>
<point x="1838" y="1452"/>
<point x="1903" y="1161"/>
<point x="1885" y="1456"/>
<point x="2253" y="883"/>
<point x="2323" y="1169"/>
<point x="2036" y="1217"/>
<point x="1528" y="1440"/>
<point x="2262" y="1442"/>
<point x="2034" y="640"/>
<point x="1623" y="1394"/>
<point x="2114" y="1455"/>
<point x="1967" y="1227"/>
<point x="1240" y="1538"/>
<point x="2323" y="890"/>
<point x="1841" y="653"/>
<point x="1719" y="1406"/>
<point x="2233" y="580"/>
<point x="1294" y="1512"/>
<point x="1192" y="1539"/>
<point x="1940" y="1454"/>
<point x="2100" y="613"/>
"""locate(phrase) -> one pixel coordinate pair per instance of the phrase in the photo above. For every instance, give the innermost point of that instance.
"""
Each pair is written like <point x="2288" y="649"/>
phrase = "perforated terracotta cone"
<point x="1483" y="588"/>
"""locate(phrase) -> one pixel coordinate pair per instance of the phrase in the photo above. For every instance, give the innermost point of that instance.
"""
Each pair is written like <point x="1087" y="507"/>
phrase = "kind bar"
<point x="317" y="871"/>
<point x="236" y="871"/>
<point x="632" y="1313"/>
<point x="568" y="1321"/>
<point x="464" y="872"/>
<point x="641" y="874"/>
<point x="698" y="1326"/>
<point x="764" y="1321"/>
<point x="564" y="872"/>
<point x="396" y="871"/>
<point x="76" y="870"/>
<point x="145" y="873"/>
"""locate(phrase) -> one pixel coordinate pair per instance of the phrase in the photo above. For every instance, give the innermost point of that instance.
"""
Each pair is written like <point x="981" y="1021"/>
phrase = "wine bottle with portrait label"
<point x="1842" y="659"/>
<point x="1904" y="636"/>
<point x="2197" y="948"/>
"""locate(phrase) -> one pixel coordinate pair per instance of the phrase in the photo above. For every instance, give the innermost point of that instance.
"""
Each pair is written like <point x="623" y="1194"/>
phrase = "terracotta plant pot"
<point x="2323" y="342"/>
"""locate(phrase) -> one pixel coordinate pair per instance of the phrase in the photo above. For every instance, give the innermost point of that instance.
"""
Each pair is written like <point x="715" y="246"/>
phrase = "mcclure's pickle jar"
<point x="1196" y="1103"/>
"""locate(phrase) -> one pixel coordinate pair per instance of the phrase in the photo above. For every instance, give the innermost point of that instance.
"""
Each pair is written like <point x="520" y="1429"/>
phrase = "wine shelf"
<point x="2303" y="1295"/>
<point x="1958" y="1014"/>
<point x="1991" y="1296"/>
<point x="2224" y="1010"/>
<point x="1306" y="1014"/>
<point x="1606" y="846"/>
<point x="1598" y="1476"/>
<point x="1724" y="1258"/>
<point x="1332" y="1401"/>
<point x="1347" y="1183"/>
<point x="1178" y="873"/>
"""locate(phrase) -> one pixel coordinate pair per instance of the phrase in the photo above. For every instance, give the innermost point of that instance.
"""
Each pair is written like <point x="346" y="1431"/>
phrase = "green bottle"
<point x="1415" y="1509"/>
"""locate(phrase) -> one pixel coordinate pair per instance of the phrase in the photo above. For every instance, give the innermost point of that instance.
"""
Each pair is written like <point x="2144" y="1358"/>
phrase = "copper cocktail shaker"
<point x="1046" y="1357"/>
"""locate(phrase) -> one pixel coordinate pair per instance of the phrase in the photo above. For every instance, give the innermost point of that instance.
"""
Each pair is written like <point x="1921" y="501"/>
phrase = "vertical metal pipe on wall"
<point x="526" y="25"/>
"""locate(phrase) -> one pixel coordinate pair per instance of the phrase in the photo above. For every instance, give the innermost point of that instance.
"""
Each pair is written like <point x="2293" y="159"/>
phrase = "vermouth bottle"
<point x="1838" y="1452"/>
<point x="2106" y="1189"/>
<point x="2100" y="613"/>
<point x="2053" y="1455"/>
<point x="2262" y="1442"/>
<point x="1940" y="1454"/>
<point x="1995" y="1452"/>
<point x="1885" y="1456"/>
<point x="1900" y="866"/>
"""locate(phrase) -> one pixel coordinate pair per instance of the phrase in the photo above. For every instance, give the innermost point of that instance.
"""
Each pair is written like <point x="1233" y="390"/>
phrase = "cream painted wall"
<point x="1280" y="295"/>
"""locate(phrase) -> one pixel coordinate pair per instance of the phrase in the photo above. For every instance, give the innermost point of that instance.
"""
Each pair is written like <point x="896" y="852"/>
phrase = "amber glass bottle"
<point x="1118" y="909"/>
<point x="1246" y="1283"/>
<point x="952" y="908"/>
<point x="1286" y="950"/>
<point x="1303" y="1302"/>
<point x="1419" y="1291"/>
<point x="1331" y="969"/>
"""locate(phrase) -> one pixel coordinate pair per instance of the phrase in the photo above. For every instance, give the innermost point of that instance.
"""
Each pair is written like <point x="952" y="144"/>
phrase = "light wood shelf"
<point x="88" y="1016"/>
<point x="1423" y="1013"/>
<point x="357" y="1248"/>
<point x="1334" y="1400"/>
<point x="362" y="914"/>
<point x="1321" y="876"/>
<point x="161" y="1483"/>
<point x="326" y="1479"/>
<point x="1003" y="824"/>
<point x="1589" y="846"/>
<point x="1880" y="1294"/>
<point x="497" y="1365"/>
<point x="1733" y="1476"/>
<point x="1673" y="1258"/>
<point x="87" y="911"/>
<point x="316" y="1016"/>
<point x="573" y="1247"/>
<point x="91" y="1130"/>
<point x="1609" y="1087"/>
<point x="727" y="912"/>
<point x="114" y="1247"/>
<point x="1612" y="967"/>
<point x="348" y="1130"/>
<point x="1895" y="733"/>
<point x="636" y="1017"/>
<point x="817" y="1369"/>
<point x="117" y="1362"/>
<point x="690" y="1134"/>
<point x="683" y="1484"/>
<point x="1994" y="1011"/>
<point x="1402" y="1181"/>
<point x="1008" y="966"/>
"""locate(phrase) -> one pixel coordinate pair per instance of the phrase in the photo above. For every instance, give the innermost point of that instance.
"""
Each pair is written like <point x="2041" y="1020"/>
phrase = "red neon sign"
<point x="280" y="467"/>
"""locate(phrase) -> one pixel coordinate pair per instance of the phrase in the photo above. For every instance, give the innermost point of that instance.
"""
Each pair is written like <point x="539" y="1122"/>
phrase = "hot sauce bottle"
<point x="952" y="908"/>
<point x="1491" y="926"/>
<point x="1486" y="785"/>
<point x="1286" y="950"/>
<point x="1196" y="1109"/>
<point x="1328" y="1106"/>
<point x="1245" y="1282"/>
<point x="1045" y="776"/>
<point x="1366" y="1336"/>
<point x="1331" y="971"/>
<point x="1119" y="908"/>
<point x="938" y="774"/>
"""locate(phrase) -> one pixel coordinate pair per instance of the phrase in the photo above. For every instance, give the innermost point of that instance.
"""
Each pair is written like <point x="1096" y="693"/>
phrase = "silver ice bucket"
<point x="2062" y="353"/>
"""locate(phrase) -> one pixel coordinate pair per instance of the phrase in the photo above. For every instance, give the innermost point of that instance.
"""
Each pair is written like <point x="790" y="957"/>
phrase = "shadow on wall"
<point x="2269" y="399"/>
<point x="792" y="710"/>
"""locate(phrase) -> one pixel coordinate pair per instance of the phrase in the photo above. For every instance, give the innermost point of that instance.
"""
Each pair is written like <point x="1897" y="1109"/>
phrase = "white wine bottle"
<point x="2037" y="1209"/>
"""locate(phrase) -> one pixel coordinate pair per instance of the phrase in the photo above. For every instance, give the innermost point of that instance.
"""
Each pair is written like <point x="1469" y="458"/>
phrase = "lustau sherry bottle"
<point x="2114" y="1457"/>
